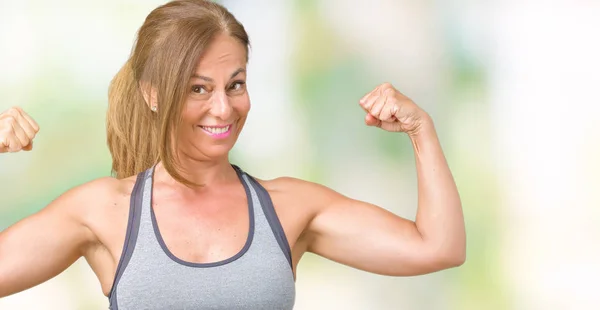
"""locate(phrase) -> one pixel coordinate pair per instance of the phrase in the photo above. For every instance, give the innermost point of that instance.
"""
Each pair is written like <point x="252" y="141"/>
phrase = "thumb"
<point x="370" y="120"/>
<point x="28" y="147"/>
<point x="3" y="147"/>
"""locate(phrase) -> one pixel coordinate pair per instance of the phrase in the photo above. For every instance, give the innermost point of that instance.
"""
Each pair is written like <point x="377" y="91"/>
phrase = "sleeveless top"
<point x="150" y="277"/>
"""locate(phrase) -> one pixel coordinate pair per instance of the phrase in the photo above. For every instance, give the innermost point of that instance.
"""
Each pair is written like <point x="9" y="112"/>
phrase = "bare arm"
<point x="370" y="238"/>
<point x="43" y="245"/>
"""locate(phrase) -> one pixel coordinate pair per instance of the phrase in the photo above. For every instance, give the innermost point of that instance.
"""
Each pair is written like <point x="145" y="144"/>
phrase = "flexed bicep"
<point x="370" y="238"/>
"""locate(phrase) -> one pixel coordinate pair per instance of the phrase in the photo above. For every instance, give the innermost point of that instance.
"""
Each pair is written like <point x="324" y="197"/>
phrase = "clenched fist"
<point x="390" y="110"/>
<point x="17" y="130"/>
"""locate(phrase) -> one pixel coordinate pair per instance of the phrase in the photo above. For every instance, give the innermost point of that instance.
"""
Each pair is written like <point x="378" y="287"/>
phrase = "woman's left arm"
<point x="370" y="238"/>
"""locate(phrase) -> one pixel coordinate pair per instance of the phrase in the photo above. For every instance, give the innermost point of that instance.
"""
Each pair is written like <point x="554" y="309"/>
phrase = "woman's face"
<point x="217" y="105"/>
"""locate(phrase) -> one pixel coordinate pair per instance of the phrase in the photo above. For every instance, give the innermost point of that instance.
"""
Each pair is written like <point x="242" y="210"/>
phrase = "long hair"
<point x="164" y="57"/>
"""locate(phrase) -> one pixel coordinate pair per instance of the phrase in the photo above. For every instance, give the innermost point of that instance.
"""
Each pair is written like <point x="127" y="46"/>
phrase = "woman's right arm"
<point x="44" y="244"/>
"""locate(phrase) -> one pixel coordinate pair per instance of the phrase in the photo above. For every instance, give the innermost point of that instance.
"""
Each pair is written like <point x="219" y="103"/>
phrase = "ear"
<point x="149" y="94"/>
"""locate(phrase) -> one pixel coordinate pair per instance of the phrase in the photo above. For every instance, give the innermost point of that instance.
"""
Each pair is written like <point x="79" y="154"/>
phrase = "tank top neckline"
<point x="233" y="258"/>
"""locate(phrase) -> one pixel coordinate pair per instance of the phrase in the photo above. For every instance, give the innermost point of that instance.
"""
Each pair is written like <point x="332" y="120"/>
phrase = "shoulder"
<point x="292" y="186"/>
<point x="85" y="201"/>
<point x="98" y="190"/>
<point x="309" y="195"/>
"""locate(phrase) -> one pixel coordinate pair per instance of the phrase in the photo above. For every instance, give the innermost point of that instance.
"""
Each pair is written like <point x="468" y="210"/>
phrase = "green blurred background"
<point x="511" y="85"/>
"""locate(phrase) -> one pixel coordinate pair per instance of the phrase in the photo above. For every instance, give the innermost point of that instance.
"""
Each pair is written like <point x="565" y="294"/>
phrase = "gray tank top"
<point x="149" y="276"/>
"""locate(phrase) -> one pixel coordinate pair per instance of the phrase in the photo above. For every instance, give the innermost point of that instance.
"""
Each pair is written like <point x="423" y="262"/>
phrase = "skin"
<point x="315" y="218"/>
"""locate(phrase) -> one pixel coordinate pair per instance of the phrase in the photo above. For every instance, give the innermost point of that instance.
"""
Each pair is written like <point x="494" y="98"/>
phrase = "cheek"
<point x="243" y="105"/>
<point x="187" y="114"/>
<point x="193" y="111"/>
<point x="189" y="119"/>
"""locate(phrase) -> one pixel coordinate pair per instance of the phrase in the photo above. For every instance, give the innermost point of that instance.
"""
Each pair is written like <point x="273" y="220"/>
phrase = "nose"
<point x="221" y="107"/>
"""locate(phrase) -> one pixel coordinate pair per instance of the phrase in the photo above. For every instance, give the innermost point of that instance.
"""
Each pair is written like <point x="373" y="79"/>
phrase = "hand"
<point x="17" y="130"/>
<point x="390" y="110"/>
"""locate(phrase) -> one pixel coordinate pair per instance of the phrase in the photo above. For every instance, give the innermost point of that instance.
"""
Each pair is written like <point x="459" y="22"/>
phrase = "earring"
<point x="154" y="108"/>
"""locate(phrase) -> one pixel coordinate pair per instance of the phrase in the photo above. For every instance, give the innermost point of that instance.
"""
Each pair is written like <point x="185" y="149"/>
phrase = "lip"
<point x="216" y="126"/>
<point x="222" y="135"/>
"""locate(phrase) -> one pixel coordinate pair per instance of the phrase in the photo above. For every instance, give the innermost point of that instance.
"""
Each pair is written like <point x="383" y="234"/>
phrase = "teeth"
<point x="215" y="130"/>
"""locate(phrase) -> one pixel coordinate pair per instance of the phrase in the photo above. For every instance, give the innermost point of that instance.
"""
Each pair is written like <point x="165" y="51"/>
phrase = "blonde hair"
<point x="164" y="57"/>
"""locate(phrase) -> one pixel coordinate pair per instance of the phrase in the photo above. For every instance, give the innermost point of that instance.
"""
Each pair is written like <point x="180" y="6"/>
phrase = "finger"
<point x="20" y="134"/>
<point x="22" y="128"/>
<point x="31" y="121"/>
<point x="368" y="97"/>
<point x="392" y="127"/>
<point x="390" y="108"/>
<point x="13" y="144"/>
<point x="377" y="107"/>
<point x="15" y="120"/>
<point x="370" y="120"/>
<point x="3" y="145"/>
<point x="364" y="98"/>
<point x="26" y="126"/>
<point x="365" y="103"/>
<point x="12" y="134"/>
<point x="388" y="112"/>
<point x="28" y="147"/>
<point x="370" y="101"/>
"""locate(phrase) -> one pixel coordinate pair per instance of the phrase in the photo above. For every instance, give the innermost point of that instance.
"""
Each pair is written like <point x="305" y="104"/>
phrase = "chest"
<point x="157" y="277"/>
<point x="213" y="228"/>
<point x="202" y="230"/>
<point x="247" y="283"/>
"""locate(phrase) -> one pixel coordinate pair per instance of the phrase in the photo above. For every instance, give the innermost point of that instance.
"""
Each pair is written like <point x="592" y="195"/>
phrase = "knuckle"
<point x="9" y="112"/>
<point x="14" y="146"/>
<point x="6" y="134"/>
<point x="11" y="120"/>
<point x="14" y="111"/>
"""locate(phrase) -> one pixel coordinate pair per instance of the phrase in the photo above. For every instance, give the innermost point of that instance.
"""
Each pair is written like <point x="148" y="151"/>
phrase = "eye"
<point x="198" y="89"/>
<point x="237" y="85"/>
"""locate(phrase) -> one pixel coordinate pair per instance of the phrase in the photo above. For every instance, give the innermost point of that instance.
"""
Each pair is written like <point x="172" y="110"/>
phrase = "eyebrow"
<point x="236" y="72"/>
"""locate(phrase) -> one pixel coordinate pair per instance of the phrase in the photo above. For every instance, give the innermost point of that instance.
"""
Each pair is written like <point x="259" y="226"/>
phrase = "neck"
<point x="206" y="173"/>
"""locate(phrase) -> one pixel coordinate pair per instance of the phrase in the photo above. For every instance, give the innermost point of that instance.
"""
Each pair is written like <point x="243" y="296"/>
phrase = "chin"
<point x="211" y="152"/>
<point x="202" y="147"/>
<point x="216" y="152"/>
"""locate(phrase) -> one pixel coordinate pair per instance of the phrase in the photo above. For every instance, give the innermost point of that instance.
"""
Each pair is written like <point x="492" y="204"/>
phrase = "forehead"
<point x="224" y="53"/>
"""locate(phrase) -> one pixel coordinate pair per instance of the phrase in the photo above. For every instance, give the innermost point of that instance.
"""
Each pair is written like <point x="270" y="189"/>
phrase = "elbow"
<point x="3" y="290"/>
<point x="455" y="260"/>
<point x="444" y="257"/>
<point x="452" y="253"/>
<point x="446" y="261"/>
<point x="446" y="254"/>
<point x="452" y="259"/>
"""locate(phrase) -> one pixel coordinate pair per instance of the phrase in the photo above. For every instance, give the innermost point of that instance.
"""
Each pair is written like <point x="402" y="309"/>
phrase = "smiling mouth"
<point x="217" y="131"/>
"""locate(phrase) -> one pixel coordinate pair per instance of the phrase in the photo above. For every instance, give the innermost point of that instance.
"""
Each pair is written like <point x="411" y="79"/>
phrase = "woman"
<point x="182" y="228"/>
